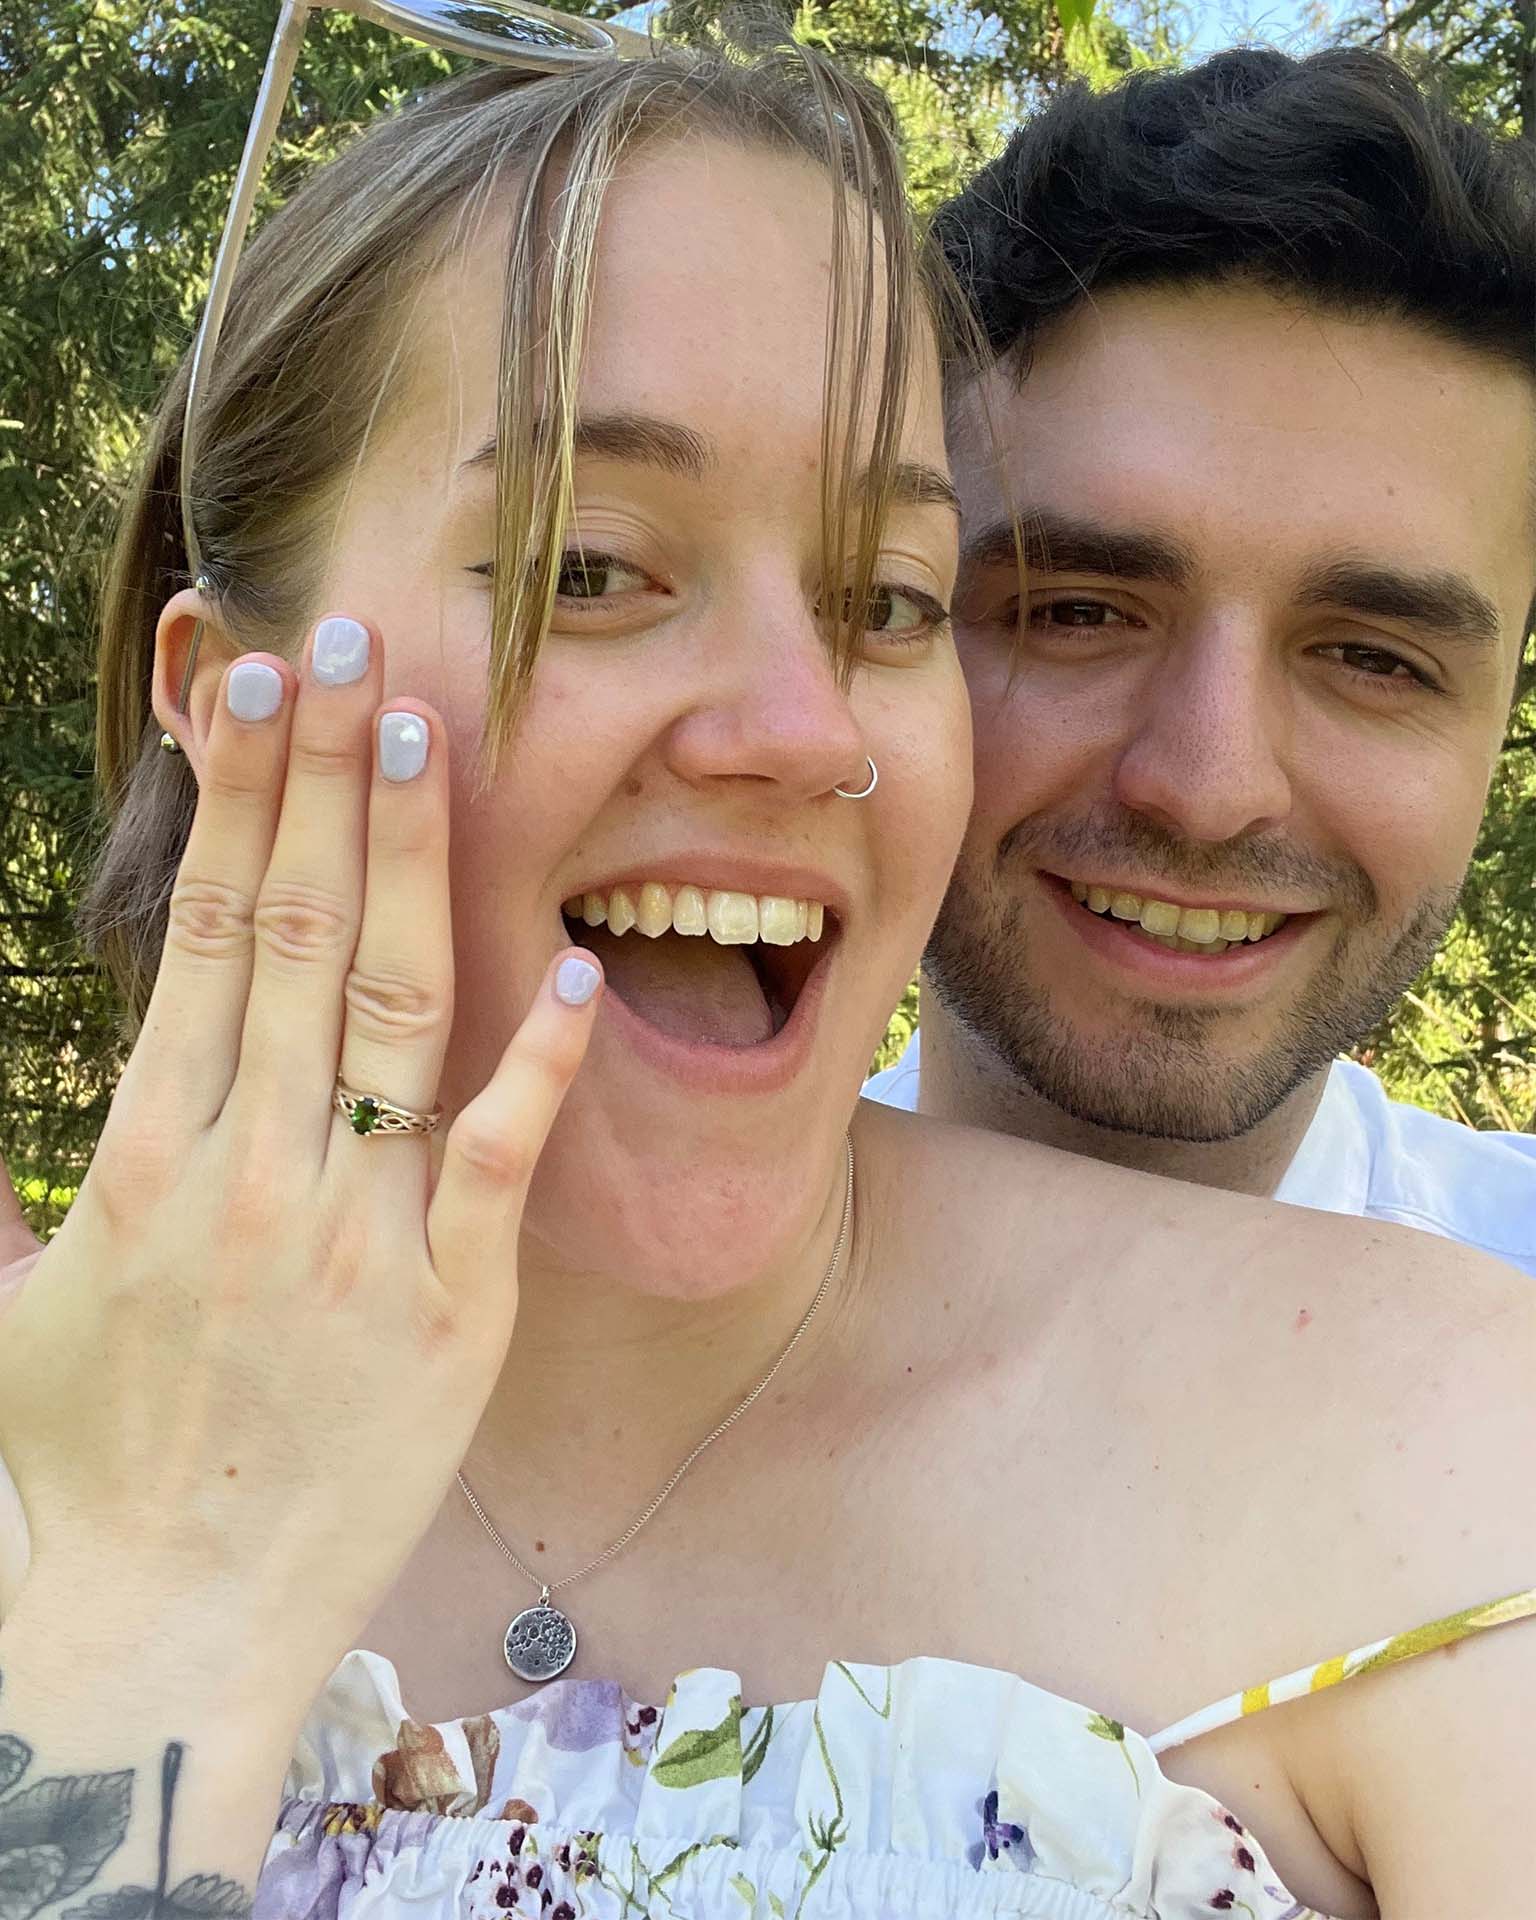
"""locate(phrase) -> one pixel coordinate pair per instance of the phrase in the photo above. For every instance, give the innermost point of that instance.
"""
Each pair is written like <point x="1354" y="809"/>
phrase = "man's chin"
<point x="1195" y="1076"/>
<point x="1149" y="1086"/>
<point x="1194" y="1103"/>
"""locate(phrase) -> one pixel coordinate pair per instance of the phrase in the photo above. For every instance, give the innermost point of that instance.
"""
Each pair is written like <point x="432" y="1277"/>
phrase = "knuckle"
<point x="232" y="782"/>
<point x="328" y="757"/>
<point x="248" y="1206"/>
<point x="208" y="919"/>
<point x="341" y="1256"/>
<point x="295" y="922"/>
<point x="134" y="1169"/>
<point x="394" y="1005"/>
<point x="439" y="1318"/>
<point x="499" y="1158"/>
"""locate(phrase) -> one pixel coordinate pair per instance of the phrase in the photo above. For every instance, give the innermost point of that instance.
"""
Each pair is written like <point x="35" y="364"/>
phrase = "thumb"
<point x="496" y="1140"/>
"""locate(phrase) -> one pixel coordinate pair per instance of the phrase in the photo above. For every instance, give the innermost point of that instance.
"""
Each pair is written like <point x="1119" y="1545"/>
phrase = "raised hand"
<point x="250" y="1360"/>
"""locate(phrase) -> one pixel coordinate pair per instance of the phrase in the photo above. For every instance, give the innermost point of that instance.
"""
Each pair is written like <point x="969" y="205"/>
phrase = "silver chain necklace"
<point x="541" y="1640"/>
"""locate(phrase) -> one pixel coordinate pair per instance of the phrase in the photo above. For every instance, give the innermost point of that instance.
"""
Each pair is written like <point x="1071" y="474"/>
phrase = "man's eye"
<point x="594" y="576"/>
<point x="1377" y="663"/>
<point x="1074" y="613"/>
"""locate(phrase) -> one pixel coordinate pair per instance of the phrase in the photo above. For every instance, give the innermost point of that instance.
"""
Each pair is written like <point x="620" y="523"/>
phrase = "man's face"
<point x="1279" y="571"/>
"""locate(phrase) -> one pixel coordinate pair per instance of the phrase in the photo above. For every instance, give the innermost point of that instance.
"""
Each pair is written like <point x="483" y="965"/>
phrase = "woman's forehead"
<point x="709" y="307"/>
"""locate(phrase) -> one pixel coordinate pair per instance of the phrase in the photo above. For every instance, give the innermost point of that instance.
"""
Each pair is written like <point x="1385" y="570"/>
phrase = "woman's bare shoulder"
<point x="1355" y="1397"/>
<point x="1007" y="1191"/>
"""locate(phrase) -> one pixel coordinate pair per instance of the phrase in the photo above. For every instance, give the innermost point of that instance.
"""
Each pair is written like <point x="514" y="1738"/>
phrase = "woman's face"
<point x="685" y="727"/>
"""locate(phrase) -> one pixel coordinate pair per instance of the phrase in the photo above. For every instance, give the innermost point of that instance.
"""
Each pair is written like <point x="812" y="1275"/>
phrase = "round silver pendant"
<point x="541" y="1642"/>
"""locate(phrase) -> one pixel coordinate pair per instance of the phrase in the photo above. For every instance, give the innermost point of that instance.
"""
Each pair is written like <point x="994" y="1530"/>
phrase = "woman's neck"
<point x="606" y="1389"/>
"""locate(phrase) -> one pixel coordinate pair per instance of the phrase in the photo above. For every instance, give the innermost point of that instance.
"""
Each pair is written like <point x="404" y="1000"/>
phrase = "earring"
<point x="169" y="743"/>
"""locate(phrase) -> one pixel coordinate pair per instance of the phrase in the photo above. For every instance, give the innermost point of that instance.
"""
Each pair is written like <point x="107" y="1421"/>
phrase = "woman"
<point x="931" y="1413"/>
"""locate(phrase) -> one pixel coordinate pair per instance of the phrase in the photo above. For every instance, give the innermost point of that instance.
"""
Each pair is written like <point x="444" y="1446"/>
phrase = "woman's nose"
<point x="776" y="715"/>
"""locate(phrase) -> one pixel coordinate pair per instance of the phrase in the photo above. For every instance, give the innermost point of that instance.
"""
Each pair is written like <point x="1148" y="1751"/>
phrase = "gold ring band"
<point x="371" y="1113"/>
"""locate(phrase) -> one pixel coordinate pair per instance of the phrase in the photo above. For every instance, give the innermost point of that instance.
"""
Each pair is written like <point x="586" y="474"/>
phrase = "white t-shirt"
<point x="1365" y="1154"/>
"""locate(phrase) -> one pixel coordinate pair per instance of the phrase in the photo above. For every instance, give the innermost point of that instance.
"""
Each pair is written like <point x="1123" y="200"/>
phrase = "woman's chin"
<point x="676" y="1196"/>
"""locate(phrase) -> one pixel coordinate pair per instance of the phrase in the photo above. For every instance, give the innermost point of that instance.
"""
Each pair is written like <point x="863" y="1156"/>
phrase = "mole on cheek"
<point x="632" y="787"/>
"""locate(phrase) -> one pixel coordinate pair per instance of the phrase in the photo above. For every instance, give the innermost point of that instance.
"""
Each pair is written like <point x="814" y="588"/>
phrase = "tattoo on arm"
<point x="57" y="1834"/>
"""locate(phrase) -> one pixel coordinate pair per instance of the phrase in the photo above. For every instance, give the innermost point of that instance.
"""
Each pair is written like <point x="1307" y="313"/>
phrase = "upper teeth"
<point x="731" y="919"/>
<point x="1210" y="927"/>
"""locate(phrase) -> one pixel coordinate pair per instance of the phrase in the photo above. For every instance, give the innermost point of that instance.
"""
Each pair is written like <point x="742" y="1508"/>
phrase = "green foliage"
<point x="1480" y="53"/>
<point x="1464" y="1041"/>
<point x="120" y="126"/>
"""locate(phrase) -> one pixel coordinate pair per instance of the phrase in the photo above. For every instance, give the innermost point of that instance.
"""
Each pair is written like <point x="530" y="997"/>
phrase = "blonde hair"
<point x="306" y="356"/>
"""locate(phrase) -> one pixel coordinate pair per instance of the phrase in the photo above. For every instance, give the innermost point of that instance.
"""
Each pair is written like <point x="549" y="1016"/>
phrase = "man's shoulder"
<point x="1436" y="1174"/>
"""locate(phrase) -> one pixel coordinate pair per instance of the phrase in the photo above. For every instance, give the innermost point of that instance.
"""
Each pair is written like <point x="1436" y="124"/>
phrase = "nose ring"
<point x="863" y="792"/>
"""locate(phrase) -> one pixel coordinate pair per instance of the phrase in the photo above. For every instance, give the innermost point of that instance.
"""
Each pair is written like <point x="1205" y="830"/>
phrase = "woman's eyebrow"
<point x="916" y="484"/>
<point x="643" y="439"/>
<point x="640" y="438"/>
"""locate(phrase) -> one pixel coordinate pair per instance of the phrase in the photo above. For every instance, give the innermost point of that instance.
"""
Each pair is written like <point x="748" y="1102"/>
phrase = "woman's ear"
<point x="176" y="633"/>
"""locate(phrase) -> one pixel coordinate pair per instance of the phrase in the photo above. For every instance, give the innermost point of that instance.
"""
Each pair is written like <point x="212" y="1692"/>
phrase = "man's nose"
<point x="1208" y="756"/>
<point x="774" y="713"/>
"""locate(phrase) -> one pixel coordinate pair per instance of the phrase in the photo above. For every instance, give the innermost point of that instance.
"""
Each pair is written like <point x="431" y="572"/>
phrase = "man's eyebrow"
<point x="1059" y="543"/>
<point x="640" y="438"/>
<point x="1440" y="601"/>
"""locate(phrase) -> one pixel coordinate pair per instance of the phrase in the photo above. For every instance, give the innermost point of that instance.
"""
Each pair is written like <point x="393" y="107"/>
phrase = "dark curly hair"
<point x="1333" y="177"/>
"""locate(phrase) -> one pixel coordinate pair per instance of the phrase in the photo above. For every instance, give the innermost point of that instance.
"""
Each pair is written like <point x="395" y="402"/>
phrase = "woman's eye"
<point x="584" y="576"/>
<point x="594" y="576"/>
<point x="902" y="610"/>
<point x="899" y="615"/>
<point x="1074" y="613"/>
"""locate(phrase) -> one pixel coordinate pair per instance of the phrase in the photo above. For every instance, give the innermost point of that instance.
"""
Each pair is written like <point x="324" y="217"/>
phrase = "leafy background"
<point x="120" y="126"/>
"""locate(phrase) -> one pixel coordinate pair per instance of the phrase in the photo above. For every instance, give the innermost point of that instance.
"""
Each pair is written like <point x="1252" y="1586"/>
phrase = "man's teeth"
<point x="730" y="919"/>
<point x="1189" y="929"/>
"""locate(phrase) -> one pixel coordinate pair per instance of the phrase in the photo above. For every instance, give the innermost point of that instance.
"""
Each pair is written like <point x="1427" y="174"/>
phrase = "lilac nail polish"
<point x="340" y="653"/>
<point x="253" y="691"/>
<point x="403" y="742"/>
<point x="576" y="981"/>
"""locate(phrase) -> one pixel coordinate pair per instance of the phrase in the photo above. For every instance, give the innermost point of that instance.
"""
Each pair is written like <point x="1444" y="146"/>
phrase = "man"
<point x="1260" y="385"/>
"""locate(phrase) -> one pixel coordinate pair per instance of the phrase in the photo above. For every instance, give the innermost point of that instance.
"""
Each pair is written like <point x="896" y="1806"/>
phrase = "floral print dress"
<point x="931" y="1790"/>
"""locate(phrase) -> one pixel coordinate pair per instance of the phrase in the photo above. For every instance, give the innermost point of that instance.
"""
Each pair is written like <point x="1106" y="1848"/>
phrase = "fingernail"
<point x="403" y="741"/>
<point x="253" y="691"/>
<point x="576" y="981"/>
<point x="340" y="653"/>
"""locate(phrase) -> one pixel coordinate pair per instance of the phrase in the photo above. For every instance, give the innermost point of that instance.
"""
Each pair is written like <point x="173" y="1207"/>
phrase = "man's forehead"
<point x="1248" y="434"/>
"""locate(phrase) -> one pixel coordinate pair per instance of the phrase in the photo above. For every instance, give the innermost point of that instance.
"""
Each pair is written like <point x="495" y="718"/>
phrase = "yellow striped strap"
<point x="1348" y="1666"/>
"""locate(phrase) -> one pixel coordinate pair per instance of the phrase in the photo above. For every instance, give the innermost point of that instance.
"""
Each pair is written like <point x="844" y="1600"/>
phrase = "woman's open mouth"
<point x="705" y="965"/>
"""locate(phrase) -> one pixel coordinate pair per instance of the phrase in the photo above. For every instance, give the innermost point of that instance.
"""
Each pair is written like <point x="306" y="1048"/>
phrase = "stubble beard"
<point x="1178" y="1075"/>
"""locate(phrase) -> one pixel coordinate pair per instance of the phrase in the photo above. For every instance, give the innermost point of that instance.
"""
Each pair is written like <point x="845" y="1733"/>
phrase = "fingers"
<point x="189" y="1045"/>
<point x="310" y="901"/>
<point x="399" y="992"/>
<point x="496" y="1140"/>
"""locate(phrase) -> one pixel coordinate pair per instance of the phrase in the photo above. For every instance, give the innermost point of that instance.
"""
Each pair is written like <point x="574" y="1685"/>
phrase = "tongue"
<point x="685" y="985"/>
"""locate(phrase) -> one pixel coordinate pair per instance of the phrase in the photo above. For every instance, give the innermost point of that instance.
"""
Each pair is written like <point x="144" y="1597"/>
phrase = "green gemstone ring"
<point x="368" y="1113"/>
